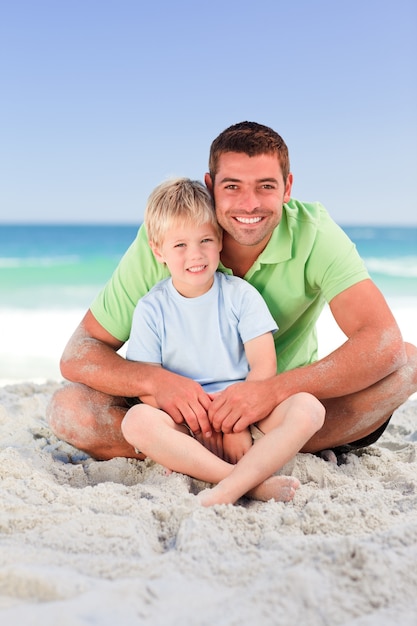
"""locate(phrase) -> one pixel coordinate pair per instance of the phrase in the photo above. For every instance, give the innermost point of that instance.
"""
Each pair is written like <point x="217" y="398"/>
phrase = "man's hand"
<point x="184" y="400"/>
<point x="240" y="405"/>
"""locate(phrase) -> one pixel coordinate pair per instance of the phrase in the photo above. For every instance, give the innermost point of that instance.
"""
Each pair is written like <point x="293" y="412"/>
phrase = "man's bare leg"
<point x="352" y="417"/>
<point x="90" y="421"/>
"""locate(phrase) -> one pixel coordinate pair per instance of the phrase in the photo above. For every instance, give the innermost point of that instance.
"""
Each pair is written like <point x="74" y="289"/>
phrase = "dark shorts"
<point x="362" y="443"/>
<point x="132" y="401"/>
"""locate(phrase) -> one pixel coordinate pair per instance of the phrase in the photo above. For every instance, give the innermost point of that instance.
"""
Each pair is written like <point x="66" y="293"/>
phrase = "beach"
<point x="103" y="101"/>
<point x="86" y="543"/>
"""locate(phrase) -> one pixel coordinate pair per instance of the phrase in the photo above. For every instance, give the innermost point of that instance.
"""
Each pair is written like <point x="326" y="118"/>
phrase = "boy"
<point x="215" y="329"/>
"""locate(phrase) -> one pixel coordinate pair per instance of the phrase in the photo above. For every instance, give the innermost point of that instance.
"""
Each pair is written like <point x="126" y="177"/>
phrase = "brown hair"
<point x="252" y="139"/>
<point x="183" y="199"/>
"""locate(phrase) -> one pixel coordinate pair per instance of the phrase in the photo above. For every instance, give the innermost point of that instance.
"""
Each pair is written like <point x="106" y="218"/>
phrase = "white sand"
<point x="118" y="542"/>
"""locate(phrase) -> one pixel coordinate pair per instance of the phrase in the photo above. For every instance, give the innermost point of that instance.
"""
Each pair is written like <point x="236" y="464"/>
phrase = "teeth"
<point x="248" y="220"/>
<point x="199" y="268"/>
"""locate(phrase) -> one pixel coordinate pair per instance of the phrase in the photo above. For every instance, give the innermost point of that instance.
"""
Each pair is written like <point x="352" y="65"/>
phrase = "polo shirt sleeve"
<point x="137" y="272"/>
<point x="334" y="264"/>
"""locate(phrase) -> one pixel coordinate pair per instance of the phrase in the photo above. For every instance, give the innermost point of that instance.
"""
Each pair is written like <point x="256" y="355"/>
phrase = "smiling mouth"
<point x="197" y="268"/>
<point x="249" y="220"/>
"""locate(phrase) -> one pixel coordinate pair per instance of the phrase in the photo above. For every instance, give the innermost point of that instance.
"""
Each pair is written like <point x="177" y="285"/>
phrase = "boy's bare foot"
<point x="278" y="488"/>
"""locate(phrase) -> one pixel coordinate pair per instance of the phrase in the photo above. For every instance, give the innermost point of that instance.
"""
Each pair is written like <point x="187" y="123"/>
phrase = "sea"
<point x="49" y="275"/>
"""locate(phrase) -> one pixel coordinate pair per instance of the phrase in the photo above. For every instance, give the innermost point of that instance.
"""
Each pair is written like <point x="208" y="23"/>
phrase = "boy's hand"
<point x="235" y="445"/>
<point x="214" y="443"/>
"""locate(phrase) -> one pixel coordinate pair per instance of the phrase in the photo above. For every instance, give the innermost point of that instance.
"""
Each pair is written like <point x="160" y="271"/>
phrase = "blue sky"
<point x="103" y="99"/>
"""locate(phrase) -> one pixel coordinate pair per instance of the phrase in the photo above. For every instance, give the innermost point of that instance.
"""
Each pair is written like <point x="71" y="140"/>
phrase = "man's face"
<point x="249" y="193"/>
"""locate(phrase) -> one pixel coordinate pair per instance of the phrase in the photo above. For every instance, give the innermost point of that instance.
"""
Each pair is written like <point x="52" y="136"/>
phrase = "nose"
<point x="249" y="200"/>
<point x="195" y="251"/>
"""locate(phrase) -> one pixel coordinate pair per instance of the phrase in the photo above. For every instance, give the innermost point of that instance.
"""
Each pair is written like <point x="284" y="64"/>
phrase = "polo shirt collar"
<point x="278" y="248"/>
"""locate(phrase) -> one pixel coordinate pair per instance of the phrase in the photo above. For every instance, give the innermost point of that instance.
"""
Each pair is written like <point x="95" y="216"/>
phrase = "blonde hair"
<point x="178" y="199"/>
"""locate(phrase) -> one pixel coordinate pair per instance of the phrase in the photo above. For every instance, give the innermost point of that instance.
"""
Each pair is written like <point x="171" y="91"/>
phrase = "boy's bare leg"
<point x="286" y="430"/>
<point x="169" y="444"/>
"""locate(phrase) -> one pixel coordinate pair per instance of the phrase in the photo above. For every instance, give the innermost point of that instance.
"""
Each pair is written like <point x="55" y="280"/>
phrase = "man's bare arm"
<point x="91" y="358"/>
<point x="374" y="349"/>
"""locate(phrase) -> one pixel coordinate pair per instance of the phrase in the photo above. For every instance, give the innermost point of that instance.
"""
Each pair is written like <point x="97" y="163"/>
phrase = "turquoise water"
<point x="46" y="266"/>
<point x="50" y="274"/>
<point x="50" y="266"/>
<point x="390" y="254"/>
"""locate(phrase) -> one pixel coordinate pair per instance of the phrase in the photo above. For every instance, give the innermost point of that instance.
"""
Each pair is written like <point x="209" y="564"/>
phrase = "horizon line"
<point x="139" y="223"/>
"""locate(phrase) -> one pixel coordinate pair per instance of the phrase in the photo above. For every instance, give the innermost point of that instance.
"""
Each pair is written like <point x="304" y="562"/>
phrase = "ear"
<point x="288" y="187"/>
<point x="209" y="182"/>
<point x="157" y="254"/>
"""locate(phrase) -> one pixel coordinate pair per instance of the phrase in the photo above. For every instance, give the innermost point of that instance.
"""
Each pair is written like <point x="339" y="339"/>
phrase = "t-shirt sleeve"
<point x="334" y="264"/>
<point x="254" y="317"/>
<point x="137" y="272"/>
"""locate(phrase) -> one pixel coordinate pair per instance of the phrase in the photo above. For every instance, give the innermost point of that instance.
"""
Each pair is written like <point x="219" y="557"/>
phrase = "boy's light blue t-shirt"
<point x="201" y="338"/>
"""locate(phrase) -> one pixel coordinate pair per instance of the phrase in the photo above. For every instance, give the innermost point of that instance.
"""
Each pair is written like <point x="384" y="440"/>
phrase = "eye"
<point x="231" y="186"/>
<point x="179" y="245"/>
<point x="207" y="240"/>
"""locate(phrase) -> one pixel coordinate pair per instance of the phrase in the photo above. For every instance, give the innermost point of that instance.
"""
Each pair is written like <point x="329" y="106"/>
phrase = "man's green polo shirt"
<point x="307" y="261"/>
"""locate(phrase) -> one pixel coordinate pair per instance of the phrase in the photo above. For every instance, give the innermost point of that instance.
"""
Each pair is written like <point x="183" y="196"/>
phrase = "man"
<point x="297" y="258"/>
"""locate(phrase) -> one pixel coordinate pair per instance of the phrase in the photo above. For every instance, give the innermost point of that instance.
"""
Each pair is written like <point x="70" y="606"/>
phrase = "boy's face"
<point x="192" y="255"/>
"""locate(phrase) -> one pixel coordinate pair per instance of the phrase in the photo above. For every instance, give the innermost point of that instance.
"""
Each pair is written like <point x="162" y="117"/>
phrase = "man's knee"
<point x="68" y="409"/>
<point x="411" y="365"/>
<point x="406" y="376"/>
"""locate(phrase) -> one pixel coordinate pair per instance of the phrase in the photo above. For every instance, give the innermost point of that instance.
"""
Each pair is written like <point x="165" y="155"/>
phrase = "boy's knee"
<point x="134" y="422"/>
<point x="140" y="428"/>
<point x="126" y="424"/>
<point x="312" y="410"/>
<point x="318" y="415"/>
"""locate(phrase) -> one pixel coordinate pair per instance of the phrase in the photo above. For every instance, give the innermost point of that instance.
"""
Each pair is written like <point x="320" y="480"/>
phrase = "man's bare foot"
<point x="278" y="488"/>
<point x="327" y="455"/>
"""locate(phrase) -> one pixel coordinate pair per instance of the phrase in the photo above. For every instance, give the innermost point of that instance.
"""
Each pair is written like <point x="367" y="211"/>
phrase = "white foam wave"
<point x="401" y="266"/>
<point x="33" y="340"/>
<point x="43" y="261"/>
